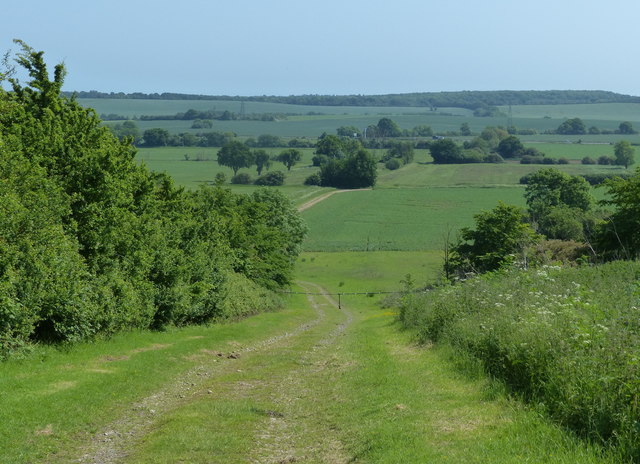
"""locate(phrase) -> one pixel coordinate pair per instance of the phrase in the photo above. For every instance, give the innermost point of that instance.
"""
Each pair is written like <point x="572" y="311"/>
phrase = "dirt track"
<point x="278" y="440"/>
<point x="317" y="200"/>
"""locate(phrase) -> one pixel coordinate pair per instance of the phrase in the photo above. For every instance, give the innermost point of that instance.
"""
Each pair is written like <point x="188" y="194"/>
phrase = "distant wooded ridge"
<point x="465" y="99"/>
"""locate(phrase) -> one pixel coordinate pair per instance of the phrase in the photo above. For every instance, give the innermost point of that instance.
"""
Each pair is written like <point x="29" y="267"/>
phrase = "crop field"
<point x="573" y="151"/>
<point x="381" y="271"/>
<point x="596" y="111"/>
<point x="137" y="107"/>
<point x="201" y="166"/>
<point x="480" y="175"/>
<point x="311" y="121"/>
<point x="398" y="219"/>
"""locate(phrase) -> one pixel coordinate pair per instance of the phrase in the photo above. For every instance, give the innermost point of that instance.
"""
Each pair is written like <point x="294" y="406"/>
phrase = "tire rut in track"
<point x="283" y="440"/>
<point x="112" y="443"/>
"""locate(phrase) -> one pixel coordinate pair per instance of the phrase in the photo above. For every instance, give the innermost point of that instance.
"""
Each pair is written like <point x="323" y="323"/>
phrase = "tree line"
<point x="473" y="100"/>
<point x="92" y="243"/>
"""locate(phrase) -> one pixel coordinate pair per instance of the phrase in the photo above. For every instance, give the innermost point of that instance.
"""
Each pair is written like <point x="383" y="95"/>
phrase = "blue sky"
<point x="285" y="47"/>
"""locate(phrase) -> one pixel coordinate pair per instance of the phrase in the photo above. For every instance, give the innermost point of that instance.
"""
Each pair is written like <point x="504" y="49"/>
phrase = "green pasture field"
<point x="573" y="151"/>
<point x="421" y="173"/>
<point x="311" y="121"/>
<point x="314" y="126"/>
<point x="418" y="175"/>
<point x="372" y="271"/>
<point x="616" y="112"/>
<point x="398" y="219"/>
<point x="193" y="173"/>
<point x="137" y="107"/>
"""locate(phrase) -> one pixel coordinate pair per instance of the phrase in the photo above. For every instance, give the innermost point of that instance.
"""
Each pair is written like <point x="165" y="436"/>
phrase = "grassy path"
<point x="346" y="386"/>
<point x="311" y="384"/>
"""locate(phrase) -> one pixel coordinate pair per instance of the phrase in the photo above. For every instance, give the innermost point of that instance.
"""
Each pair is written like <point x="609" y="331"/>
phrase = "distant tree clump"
<point x="127" y="129"/>
<point x="488" y="140"/>
<point x="606" y="160"/>
<point x="402" y="151"/>
<point x="313" y="179"/>
<point x="356" y="171"/>
<point x="241" y="178"/>
<point x="510" y="147"/>
<point x="349" y="131"/>
<point x="336" y="147"/>
<point x="202" y="124"/>
<point x="388" y="128"/>
<point x="270" y="141"/>
<point x="626" y="128"/>
<point x="393" y="164"/>
<point x="155" y="137"/>
<point x="446" y="151"/>
<point x="573" y="126"/>
<point x="215" y="139"/>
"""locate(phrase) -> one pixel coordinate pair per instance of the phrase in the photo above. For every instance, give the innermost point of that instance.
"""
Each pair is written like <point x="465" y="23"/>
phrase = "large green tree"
<point x="619" y="236"/>
<point x="623" y="152"/>
<point x="359" y="170"/>
<point x="235" y="155"/>
<point x="155" y="137"/>
<point x="501" y="237"/>
<point x="290" y="157"/>
<point x="574" y="126"/>
<point x="388" y="128"/>
<point x="511" y="147"/>
<point x="551" y="187"/>
<point x="262" y="160"/>
<point x="558" y="203"/>
<point x="626" y="128"/>
<point x="446" y="151"/>
<point x="330" y="146"/>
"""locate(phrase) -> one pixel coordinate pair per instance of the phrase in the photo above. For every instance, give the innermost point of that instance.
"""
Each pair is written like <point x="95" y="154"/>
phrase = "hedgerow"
<point x="93" y="243"/>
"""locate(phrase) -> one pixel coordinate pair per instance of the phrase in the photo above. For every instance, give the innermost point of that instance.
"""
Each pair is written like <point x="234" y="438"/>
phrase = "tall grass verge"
<point x="566" y="340"/>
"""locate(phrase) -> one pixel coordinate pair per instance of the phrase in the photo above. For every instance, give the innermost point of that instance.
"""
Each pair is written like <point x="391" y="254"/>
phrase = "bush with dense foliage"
<point x="92" y="243"/>
<point x="242" y="178"/>
<point x="393" y="164"/>
<point x="313" y="179"/>
<point x="272" y="179"/>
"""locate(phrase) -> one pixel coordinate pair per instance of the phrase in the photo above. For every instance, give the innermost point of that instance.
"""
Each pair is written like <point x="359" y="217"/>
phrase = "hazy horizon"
<point x="287" y="47"/>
